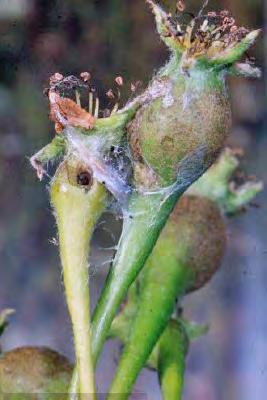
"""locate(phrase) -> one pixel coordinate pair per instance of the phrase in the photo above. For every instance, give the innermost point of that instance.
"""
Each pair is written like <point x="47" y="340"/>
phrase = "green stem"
<point x="74" y="385"/>
<point x="147" y="216"/>
<point x="76" y="212"/>
<point x="173" y="347"/>
<point x="165" y="278"/>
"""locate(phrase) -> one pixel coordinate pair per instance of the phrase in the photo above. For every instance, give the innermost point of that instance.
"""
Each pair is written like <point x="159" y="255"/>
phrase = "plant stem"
<point x="173" y="347"/>
<point x="76" y="212"/>
<point x="165" y="278"/>
<point x="147" y="216"/>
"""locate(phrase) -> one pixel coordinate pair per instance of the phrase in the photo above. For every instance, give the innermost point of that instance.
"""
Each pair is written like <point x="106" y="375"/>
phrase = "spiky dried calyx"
<point x="214" y="37"/>
<point x="220" y="184"/>
<point x="28" y="370"/>
<point x="84" y="117"/>
<point x="64" y="111"/>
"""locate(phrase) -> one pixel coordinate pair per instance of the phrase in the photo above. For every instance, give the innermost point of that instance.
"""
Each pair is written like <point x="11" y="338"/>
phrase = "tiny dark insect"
<point x="84" y="178"/>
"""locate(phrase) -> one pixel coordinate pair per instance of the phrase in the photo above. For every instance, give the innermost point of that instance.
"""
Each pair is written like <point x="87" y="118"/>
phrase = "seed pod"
<point x="187" y="107"/>
<point x="186" y="256"/>
<point x="198" y="224"/>
<point x="163" y="133"/>
<point x="38" y="370"/>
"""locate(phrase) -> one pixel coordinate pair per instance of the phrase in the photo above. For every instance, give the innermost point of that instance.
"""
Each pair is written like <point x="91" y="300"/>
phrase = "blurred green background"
<point x="110" y="38"/>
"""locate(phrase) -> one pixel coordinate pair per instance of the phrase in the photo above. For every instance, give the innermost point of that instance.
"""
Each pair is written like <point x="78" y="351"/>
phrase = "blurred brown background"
<point x="110" y="38"/>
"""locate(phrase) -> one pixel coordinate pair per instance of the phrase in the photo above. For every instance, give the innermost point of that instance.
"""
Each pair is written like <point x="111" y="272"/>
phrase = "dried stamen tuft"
<point x="66" y="112"/>
<point x="213" y="37"/>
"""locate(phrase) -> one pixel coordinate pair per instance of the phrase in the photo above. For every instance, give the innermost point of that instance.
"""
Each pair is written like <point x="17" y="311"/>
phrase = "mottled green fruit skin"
<point x="195" y="112"/>
<point x="35" y="373"/>
<point x="198" y="225"/>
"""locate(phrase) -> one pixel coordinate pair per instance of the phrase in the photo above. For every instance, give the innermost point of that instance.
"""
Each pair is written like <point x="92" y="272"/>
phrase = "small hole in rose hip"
<point x="84" y="179"/>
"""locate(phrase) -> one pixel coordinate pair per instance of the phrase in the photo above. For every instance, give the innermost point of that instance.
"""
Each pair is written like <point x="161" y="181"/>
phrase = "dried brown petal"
<point x="66" y="112"/>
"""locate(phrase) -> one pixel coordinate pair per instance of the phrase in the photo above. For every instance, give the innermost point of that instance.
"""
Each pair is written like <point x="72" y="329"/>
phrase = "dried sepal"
<point x="235" y="50"/>
<point x="165" y="27"/>
<point x="49" y="153"/>
<point x="241" y="196"/>
<point x="219" y="185"/>
<point x="246" y="69"/>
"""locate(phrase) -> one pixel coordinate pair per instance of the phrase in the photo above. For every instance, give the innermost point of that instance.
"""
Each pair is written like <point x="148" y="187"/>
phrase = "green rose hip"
<point x="187" y="106"/>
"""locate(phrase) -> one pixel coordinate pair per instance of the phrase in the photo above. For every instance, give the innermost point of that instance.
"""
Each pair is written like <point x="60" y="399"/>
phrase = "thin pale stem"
<point x="78" y="98"/>
<point x="96" y="113"/>
<point x="91" y="100"/>
<point x="115" y="109"/>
